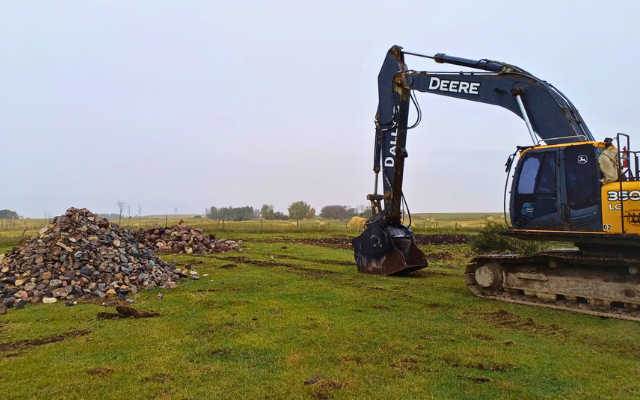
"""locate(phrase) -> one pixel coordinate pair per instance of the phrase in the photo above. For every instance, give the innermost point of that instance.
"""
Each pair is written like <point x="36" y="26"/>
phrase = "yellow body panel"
<point x="616" y="202"/>
<point x="550" y="146"/>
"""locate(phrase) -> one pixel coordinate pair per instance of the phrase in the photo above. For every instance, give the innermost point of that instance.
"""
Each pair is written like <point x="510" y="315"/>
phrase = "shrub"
<point x="491" y="239"/>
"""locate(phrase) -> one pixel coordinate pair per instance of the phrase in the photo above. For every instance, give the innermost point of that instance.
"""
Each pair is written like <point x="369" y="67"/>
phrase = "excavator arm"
<point x="548" y="114"/>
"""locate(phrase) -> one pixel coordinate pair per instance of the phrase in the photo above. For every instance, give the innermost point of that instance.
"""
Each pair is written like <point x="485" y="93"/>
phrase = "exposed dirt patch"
<point x="480" y="336"/>
<point x="127" y="312"/>
<point x="106" y="302"/>
<point x="441" y="239"/>
<point x="326" y="386"/>
<point x="507" y="319"/>
<point x="311" y="272"/>
<point x="25" y="344"/>
<point x="9" y="355"/>
<point x="405" y="364"/>
<point x="482" y="379"/>
<point x="220" y="352"/>
<point x="100" y="371"/>
<point x="314" y="380"/>
<point x="441" y="256"/>
<point x="158" y="378"/>
<point x="381" y="307"/>
<point x="492" y="367"/>
<point x="228" y="266"/>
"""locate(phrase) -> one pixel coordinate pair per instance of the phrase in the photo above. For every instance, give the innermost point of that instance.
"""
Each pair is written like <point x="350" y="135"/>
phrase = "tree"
<point x="121" y="205"/>
<point x="335" y="212"/>
<point x="366" y="213"/>
<point x="312" y="213"/>
<point x="298" y="210"/>
<point x="232" y="213"/>
<point x="280" y="216"/>
<point x="267" y="212"/>
<point x="8" y="214"/>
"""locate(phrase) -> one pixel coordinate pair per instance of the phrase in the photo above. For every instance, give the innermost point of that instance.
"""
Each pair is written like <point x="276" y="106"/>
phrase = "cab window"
<point x="529" y="174"/>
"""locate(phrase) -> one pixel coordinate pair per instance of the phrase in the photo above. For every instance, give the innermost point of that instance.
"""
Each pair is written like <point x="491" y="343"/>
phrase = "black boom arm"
<point x="548" y="113"/>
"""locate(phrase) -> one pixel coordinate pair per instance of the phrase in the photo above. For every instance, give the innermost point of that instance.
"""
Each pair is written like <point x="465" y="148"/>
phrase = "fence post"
<point x="260" y="225"/>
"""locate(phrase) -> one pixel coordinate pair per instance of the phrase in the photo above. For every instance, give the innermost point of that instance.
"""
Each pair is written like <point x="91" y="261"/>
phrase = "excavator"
<point x="566" y="187"/>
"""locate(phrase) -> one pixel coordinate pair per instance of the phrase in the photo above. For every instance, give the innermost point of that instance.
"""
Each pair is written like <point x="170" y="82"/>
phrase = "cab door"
<point x="581" y="188"/>
<point x="535" y="193"/>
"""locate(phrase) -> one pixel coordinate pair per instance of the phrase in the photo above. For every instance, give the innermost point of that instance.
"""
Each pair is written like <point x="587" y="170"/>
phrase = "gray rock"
<point x="55" y="283"/>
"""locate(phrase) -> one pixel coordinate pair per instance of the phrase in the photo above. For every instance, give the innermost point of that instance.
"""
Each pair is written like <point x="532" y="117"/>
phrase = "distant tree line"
<point x="8" y="214"/>
<point x="232" y="213"/>
<point x="345" y="212"/>
<point x="296" y="211"/>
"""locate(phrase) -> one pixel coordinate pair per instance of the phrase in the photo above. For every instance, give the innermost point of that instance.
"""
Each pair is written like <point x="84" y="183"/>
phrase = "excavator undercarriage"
<point x="602" y="285"/>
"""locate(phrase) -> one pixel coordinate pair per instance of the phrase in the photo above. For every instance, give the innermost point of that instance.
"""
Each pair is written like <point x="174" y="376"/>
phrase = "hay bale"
<point x="357" y="223"/>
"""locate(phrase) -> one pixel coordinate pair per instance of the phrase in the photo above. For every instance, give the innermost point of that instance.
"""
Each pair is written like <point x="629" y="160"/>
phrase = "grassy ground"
<point x="287" y="313"/>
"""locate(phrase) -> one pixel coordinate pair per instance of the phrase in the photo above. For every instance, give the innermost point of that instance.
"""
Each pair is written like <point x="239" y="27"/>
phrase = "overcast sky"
<point x="191" y="104"/>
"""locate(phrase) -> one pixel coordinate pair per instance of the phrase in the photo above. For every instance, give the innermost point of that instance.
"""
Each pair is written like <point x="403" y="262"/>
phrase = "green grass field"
<point x="269" y="318"/>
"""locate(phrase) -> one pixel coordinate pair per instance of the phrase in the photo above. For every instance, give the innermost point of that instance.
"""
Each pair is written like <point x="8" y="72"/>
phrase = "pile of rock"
<point x="184" y="239"/>
<point x="80" y="255"/>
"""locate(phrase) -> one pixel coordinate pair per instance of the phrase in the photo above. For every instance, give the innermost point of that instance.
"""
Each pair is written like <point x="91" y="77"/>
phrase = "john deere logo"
<point x="583" y="159"/>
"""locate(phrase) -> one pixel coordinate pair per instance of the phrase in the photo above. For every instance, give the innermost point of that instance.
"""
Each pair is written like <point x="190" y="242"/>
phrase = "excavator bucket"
<point x="388" y="250"/>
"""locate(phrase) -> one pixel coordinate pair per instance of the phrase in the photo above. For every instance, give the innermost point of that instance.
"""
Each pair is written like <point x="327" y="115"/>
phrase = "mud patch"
<point x="25" y="344"/>
<point x="380" y="307"/>
<point x="506" y="319"/>
<point x="127" y="312"/>
<point x="100" y="371"/>
<point x="480" y="336"/>
<point x="228" y="266"/>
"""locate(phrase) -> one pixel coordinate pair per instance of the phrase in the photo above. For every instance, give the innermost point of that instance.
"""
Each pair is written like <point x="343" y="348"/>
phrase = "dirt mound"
<point x="80" y="255"/>
<point x="184" y="239"/>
